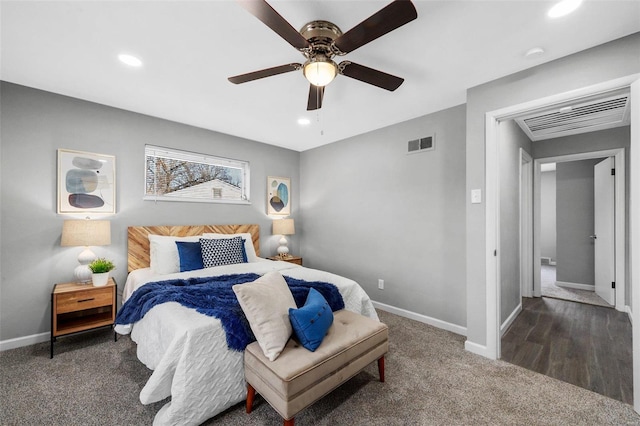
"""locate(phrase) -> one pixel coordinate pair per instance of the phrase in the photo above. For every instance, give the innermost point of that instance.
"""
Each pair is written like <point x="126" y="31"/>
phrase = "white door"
<point x="604" y="242"/>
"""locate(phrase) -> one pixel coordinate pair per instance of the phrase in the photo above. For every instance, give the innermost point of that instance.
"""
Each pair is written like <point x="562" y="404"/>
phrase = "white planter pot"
<point x="100" y="280"/>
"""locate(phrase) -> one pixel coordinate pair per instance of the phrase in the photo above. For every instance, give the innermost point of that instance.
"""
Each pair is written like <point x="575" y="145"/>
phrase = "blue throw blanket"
<point x="213" y="296"/>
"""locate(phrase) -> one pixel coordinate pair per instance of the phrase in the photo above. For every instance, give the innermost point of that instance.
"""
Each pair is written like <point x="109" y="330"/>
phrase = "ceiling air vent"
<point x="423" y="144"/>
<point x="576" y="118"/>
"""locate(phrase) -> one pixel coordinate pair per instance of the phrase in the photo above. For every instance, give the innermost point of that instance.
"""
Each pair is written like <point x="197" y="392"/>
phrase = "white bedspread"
<point x="188" y="353"/>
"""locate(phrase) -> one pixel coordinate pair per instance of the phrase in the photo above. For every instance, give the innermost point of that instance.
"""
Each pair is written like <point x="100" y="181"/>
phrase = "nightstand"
<point x="291" y="259"/>
<point x="79" y="307"/>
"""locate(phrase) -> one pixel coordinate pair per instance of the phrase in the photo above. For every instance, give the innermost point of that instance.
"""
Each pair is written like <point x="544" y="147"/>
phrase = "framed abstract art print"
<point x="86" y="182"/>
<point x="278" y="196"/>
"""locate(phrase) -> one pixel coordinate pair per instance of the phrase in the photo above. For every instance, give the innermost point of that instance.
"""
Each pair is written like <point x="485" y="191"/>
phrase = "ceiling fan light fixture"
<point x="320" y="71"/>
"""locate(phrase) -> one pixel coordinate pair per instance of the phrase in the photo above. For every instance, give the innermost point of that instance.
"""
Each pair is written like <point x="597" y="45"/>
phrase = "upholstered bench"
<point x="299" y="377"/>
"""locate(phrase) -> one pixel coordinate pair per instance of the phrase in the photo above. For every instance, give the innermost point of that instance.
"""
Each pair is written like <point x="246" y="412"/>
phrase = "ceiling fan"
<point x="321" y="41"/>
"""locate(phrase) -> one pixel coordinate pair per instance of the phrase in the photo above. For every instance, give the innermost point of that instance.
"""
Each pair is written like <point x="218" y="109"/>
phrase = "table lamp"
<point x="85" y="233"/>
<point x="283" y="227"/>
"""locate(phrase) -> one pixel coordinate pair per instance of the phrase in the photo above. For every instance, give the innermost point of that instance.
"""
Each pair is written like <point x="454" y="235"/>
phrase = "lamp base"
<point x="283" y="250"/>
<point x="82" y="274"/>
<point x="82" y="271"/>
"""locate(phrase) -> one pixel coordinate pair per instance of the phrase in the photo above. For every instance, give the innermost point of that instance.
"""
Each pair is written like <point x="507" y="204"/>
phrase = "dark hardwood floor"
<point x="586" y="345"/>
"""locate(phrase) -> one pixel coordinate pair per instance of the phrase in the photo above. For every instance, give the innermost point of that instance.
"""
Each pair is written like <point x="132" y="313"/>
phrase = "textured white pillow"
<point x="164" y="255"/>
<point x="266" y="302"/>
<point x="248" y="243"/>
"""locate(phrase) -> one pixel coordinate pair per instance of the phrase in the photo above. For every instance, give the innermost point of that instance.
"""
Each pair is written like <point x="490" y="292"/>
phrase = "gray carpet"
<point x="550" y="289"/>
<point x="431" y="380"/>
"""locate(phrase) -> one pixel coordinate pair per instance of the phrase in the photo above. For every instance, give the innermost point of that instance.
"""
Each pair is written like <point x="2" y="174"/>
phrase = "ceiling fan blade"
<point x="272" y="19"/>
<point x="316" y="93"/>
<point x="387" y="19"/>
<point x="369" y="75"/>
<point x="268" y="72"/>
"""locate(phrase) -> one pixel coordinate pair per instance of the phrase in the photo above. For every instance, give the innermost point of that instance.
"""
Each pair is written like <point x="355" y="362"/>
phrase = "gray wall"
<point x="372" y="211"/>
<point x="548" y="214"/>
<point x="599" y="64"/>
<point x="619" y="137"/>
<point x="34" y="125"/>
<point x="575" y="221"/>
<point x="511" y="139"/>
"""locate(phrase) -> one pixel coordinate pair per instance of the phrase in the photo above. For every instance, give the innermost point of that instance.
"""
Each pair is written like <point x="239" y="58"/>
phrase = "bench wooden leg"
<point x="289" y="422"/>
<point x="251" y="394"/>
<point x="381" y="368"/>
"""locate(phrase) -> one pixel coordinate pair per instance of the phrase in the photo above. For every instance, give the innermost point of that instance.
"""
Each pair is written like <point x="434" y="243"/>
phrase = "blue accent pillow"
<point x="190" y="254"/>
<point x="223" y="251"/>
<point x="244" y="252"/>
<point x="311" y="322"/>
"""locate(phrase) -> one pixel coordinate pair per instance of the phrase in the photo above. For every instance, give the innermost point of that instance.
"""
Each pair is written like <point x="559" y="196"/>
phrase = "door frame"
<point x="620" y="226"/>
<point x="492" y="272"/>
<point x="526" y="224"/>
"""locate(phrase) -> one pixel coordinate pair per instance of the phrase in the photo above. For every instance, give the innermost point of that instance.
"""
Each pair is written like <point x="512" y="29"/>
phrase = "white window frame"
<point x="243" y="166"/>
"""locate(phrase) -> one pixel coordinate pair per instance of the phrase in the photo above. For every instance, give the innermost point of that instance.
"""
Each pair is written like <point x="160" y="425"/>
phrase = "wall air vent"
<point x="423" y="144"/>
<point x="596" y="113"/>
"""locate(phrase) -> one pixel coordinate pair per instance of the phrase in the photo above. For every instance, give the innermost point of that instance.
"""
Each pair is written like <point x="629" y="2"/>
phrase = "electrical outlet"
<point x="381" y="284"/>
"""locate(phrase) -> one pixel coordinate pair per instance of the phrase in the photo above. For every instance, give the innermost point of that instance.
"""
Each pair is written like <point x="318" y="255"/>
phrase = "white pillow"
<point x="266" y="302"/>
<point x="248" y="243"/>
<point x="164" y="255"/>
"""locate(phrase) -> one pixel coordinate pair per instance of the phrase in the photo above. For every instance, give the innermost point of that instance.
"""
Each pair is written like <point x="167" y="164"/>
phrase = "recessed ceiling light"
<point x="304" y="121"/>
<point x="534" y="52"/>
<point x="130" y="60"/>
<point x="563" y="8"/>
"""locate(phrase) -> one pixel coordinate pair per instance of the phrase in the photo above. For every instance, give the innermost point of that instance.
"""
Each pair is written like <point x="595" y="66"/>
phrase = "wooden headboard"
<point x="138" y="240"/>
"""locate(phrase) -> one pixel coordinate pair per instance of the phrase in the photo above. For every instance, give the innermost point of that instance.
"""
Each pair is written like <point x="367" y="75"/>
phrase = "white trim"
<point x="19" y="342"/>
<point x="526" y="224"/>
<point x="507" y="323"/>
<point x="513" y="111"/>
<point x="634" y="234"/>
<point x="577" y="286"/>
<point x="492" y="284"/>
<point x="492" y="249"/>
<point x="454" y="328"/>
<point x="620" y="230"/>
<point x="627" y="309"/>
<point x="476" y="349"/>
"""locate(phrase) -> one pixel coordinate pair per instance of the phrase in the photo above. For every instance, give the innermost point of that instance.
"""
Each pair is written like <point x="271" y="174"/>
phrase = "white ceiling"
<point x="189" y="48"/>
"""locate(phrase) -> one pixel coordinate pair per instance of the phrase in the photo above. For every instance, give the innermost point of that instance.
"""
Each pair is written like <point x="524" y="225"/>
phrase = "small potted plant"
<point x="100" y="268"/>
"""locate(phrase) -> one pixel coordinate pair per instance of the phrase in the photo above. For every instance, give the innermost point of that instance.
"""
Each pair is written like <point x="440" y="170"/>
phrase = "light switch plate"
<point x="476" y="196"/>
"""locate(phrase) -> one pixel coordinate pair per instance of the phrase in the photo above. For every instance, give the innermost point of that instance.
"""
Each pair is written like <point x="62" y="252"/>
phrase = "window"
<point x="173" y="175"/>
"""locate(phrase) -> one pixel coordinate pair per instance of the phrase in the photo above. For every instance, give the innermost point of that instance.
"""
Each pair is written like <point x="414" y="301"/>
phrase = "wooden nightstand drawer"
<point x="80" y="300"/>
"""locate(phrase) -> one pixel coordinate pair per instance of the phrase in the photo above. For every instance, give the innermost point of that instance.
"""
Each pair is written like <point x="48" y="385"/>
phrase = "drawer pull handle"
<point x="86" y="300"/>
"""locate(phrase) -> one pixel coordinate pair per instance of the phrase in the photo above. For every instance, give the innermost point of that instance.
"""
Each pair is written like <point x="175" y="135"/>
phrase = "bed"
<point x="187" y="350"/>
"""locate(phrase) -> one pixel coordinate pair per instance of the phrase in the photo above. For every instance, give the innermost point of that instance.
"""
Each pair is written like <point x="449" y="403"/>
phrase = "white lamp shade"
<point x="283" y="227"/>
<point x="86" y="233"/>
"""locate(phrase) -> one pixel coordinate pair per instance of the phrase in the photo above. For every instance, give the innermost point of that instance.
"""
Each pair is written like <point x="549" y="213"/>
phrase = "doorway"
<point x="576" y="234"/>
<point x="563" y="339"/>
<point x="492" y="230"/>
<point x="619" y="250"/>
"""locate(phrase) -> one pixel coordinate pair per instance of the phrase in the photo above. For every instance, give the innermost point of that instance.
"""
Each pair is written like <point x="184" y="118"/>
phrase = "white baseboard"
<point x="477" y="349"/>
<point x="505" y="325"/>
<point x="454" y="328"/>
<point x="19" y="342"/>
<point x="576" y="286"/>
<point x="627" y="309"/>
